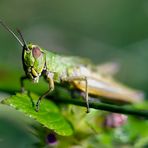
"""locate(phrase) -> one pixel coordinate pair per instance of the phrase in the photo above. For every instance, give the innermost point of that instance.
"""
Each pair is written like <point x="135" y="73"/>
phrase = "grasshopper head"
<point x="33" y="56"/>
<point x="33" y="61"/>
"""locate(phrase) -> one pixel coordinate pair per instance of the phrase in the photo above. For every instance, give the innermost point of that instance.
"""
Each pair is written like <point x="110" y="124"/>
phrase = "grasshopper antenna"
<point x="9" y="30"/>
<point x="24" y="42"/>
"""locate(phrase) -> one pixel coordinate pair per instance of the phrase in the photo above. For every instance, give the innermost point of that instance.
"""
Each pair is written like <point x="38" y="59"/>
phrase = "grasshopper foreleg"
<point x="51" y="88"/>
<point x="22" y="83"/>
<point x="79" y="78"/>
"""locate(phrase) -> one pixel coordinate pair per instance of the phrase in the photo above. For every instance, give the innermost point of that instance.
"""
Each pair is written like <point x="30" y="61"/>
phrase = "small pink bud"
<point x="114" y="120"/>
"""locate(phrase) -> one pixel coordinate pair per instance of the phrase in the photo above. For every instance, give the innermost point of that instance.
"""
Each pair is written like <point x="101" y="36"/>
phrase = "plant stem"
<point x="106" y="107"/>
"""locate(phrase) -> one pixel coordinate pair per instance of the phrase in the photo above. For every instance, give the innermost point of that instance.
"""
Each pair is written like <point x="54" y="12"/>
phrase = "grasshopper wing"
<point x="108" y="69"/>
<point x="107" y="88"/>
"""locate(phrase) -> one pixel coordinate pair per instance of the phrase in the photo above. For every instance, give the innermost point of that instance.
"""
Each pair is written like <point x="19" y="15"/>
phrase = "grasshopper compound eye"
<point x="36" y="52"/>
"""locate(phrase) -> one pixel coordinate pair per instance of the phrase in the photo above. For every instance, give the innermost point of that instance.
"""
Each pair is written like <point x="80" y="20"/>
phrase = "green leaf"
<point x="48" y="115"/>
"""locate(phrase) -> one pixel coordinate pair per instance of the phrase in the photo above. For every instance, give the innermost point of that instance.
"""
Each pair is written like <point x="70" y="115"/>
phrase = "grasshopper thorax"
<point x="33" y="58"/>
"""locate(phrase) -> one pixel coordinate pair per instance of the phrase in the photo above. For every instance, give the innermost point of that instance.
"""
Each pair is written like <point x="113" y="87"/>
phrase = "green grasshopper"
<point x="74" y="71"/>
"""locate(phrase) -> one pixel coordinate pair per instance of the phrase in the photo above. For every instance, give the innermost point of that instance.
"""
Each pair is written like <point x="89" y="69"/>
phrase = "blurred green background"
<point x="101" y="30"/>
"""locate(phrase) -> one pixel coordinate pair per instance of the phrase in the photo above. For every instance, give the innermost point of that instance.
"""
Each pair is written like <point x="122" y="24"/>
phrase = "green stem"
<point x="106" y="107"/>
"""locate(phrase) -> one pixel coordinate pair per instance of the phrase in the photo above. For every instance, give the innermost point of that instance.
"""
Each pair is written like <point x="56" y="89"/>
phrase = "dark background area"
<point x="101" y="30"/>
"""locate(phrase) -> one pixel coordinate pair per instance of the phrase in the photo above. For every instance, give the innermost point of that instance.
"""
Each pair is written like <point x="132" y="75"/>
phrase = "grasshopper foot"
<point x="38" y="105"/>
<point x="88" y="110"/>
<point x="37" y="108"/>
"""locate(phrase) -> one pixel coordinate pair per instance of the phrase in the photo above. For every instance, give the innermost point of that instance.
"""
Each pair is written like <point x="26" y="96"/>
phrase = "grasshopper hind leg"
<point x="79" y="78"/>
<point x="78" y="93"/>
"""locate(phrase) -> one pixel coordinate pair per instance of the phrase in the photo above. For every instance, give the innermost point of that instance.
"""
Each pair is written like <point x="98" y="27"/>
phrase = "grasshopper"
<point x="74" y="71"/>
